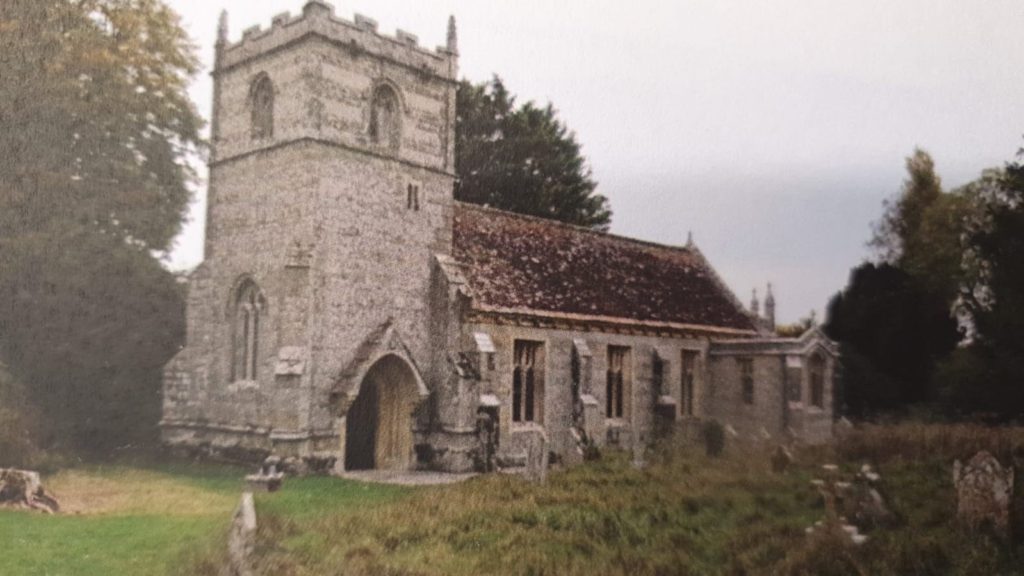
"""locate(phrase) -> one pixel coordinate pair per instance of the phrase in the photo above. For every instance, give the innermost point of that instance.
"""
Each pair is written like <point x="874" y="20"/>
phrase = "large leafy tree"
<point x="522" y="159"/>
<point x="96" y="120"/>
<point x="96" y="132"/>
<point x="987" y="376"/>
<point x="923" y="229"/>
<point x="892" y="331"/>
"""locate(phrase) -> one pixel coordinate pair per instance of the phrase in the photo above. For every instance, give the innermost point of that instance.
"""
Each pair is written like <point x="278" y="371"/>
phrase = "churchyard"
<point x="681" y="512"/>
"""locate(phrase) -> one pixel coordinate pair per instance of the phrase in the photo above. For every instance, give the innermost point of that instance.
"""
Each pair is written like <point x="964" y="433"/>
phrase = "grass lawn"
<point x="120" y="520"/>
<point x="149" y="520"/>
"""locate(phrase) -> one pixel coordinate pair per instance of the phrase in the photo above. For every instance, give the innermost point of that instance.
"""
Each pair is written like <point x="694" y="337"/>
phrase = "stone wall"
<point x="783" y="404"/>
<point x="634" y="431"/>
<point x="262" y="210"/>
<point x="727" y="404"/>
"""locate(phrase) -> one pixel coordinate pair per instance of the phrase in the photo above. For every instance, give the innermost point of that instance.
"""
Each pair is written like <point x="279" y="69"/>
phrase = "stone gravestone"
<point x="984" y="491"/>
<point x="863" y="502"/>
<point x="782" y="459"/>
<point x="242" y="538"/>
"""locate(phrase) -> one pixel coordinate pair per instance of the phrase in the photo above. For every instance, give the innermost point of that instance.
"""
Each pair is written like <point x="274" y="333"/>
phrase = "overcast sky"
<point x="773" y="129"/>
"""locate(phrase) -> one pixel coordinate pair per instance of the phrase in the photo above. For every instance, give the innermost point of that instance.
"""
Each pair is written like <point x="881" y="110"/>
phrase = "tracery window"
<point x="384" y="117"/>
<point x="261" y="98"/>
<point x="528" y="381"/>
<point x="245" y="337"/>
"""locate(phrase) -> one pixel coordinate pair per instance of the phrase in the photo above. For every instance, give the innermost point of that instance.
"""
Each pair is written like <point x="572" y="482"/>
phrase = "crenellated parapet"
<point x="359" y="35"/>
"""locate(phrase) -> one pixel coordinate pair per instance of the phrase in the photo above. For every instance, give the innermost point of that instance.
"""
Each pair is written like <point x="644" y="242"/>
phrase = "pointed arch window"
<point x="385" y="128"/>
<point x="261" y="97"/>
<point x="816" y="366"/>
<point x="618" y="384"/>
<point x="528" y="381"/>
<point x="248" y="309"/>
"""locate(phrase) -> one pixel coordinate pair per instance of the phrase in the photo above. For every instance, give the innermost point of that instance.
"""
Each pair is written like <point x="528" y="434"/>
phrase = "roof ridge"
<point x="576" y="227"/>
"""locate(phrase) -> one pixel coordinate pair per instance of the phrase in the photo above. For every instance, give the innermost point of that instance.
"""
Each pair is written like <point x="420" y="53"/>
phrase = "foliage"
<point x="796" y="329"/>
<point x="522" y="159"/>
<point x="962" y="248"/>
<point x="996" y="307"/>
<point x="891" y="332"/>
<point x="921" y="230"/>
<point x="926" y="230"/>
<point x="97" y="129"/>
<point x="17" y="444"/>
<point x="89" y="324"/>
<point x="97" y="121"/>
<point x="714" y="438"/>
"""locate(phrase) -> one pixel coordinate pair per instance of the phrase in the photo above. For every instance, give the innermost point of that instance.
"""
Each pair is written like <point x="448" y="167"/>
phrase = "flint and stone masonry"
<point x="350" y="314"/>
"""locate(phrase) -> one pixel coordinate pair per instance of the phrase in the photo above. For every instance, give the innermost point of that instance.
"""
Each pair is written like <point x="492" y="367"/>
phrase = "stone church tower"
<point x="330" y="199"/>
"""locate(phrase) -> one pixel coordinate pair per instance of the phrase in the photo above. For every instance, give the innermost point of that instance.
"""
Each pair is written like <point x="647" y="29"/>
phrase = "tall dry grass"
<point x="920" y="442"/>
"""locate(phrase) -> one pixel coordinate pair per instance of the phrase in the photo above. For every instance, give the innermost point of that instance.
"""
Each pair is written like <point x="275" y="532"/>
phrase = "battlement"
<point x="359" y="35"/>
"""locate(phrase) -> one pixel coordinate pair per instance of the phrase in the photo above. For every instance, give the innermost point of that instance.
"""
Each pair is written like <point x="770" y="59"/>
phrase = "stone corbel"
<point x="291" y="361"/>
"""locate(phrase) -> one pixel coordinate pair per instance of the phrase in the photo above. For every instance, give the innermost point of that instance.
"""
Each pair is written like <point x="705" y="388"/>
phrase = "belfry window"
<point x="528" y="381"/>
<point x="384" y="117"/>
<point x="261" y="97"/>
<point x="245" y="338"/>
<point x="412" y="197"/>
<point x="617" y="389"/>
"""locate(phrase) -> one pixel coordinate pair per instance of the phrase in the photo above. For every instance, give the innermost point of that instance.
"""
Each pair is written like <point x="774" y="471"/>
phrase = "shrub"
<point x="714" y="438"/>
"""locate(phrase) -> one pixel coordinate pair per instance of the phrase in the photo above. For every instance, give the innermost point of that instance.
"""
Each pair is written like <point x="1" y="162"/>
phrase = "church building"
<point x="351" y="314"/>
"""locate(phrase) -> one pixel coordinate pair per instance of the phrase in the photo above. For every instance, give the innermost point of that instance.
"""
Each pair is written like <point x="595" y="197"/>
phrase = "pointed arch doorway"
<point x="379" y="423"/>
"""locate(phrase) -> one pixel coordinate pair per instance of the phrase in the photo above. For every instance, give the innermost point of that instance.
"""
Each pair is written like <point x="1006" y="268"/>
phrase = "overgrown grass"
<point x="683" y="514"/>
<point x="922" y="442"/>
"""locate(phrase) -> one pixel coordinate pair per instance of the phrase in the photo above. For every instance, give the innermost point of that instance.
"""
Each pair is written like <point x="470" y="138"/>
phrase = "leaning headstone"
<point x="242" y="538"/>
<point x="537" y="457"/>
<point x="24" y="489"/>
<point x="782" y="459"/>
<point x="984" y="491"/>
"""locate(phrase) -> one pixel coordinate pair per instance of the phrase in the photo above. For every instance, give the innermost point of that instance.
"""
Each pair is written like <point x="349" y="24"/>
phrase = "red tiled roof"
<point x="524" y="263"/>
